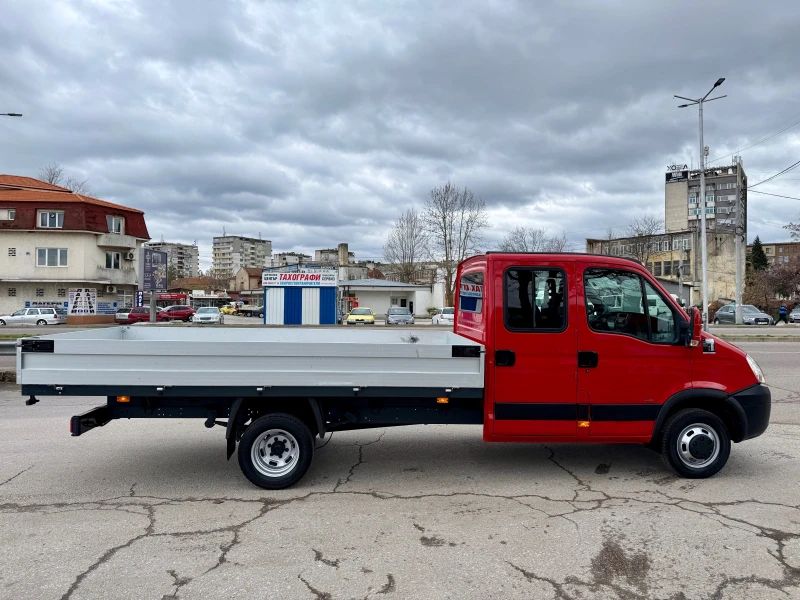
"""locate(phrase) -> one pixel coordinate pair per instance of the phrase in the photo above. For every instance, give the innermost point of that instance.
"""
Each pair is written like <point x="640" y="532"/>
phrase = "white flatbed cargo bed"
<point x="106" y="361"/>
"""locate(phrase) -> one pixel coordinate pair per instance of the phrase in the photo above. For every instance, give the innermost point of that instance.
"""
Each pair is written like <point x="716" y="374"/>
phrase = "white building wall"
<point x="273" y="310"/>
<point x="86" y="267"/>
<point x="310" y="306"/>
<point x="380" y="300"/>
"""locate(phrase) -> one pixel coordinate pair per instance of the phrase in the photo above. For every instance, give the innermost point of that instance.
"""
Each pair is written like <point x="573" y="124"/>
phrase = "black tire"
<point x="41" y="322"/>
<point x="2" y="323"/>
<point x="710" y="455"/>
<point x="716" y="321"/>
<point x="254" y="434"/>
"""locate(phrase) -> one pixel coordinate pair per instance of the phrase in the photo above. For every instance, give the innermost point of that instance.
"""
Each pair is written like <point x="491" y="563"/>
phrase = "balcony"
<point x="116" y="240"/>
<point x="123" y="276"/>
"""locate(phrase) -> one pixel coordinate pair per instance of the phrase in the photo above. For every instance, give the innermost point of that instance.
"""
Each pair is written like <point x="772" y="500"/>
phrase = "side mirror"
<point x="694" y="327"/>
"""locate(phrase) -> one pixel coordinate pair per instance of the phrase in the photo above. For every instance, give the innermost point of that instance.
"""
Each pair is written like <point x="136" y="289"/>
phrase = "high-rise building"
<point x="184" y="258"/>
<point x="726" y="198"/>
<point x="232" y="252"/>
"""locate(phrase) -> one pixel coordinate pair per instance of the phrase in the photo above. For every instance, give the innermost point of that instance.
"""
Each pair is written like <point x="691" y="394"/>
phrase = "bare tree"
<point x="51" y="173"/>
<point x="454" y="219"/>
<point x="54" y="173"/>
<point x="530" y="239"/>
<point x="407" y="245"/>
<point x="643" y="233"/>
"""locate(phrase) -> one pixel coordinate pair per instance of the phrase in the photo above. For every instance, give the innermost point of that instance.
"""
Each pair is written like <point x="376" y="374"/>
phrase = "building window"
<point x="710" y="210"/>
<point x="112" y="260"/>
<point x="676" y="265"/>
<point x="51" y="219"/>
<point x="12" y="292"/>
<point x="780" y="249"/>
<point x="62" y="292"/>
<point x="767" y="250"/>
<point x="40" y="292"/>
<point x="51" y="257"/>
<point x="7" y="214"/>
<point x="115" y="224"/>
<point x="667" y="268"/>
<point x="657" y="271"/>
<point x="709" y="199"/>
<point x="692" y="199"/>
<point x="12" y="251"/>
<point x="649" y="266"/>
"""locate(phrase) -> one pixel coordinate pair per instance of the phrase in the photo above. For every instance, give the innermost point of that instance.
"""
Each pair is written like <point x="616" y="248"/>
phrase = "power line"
<point x="786" y="170"/>
<point x="776" y="195"/>
<point x="760" y="141"/>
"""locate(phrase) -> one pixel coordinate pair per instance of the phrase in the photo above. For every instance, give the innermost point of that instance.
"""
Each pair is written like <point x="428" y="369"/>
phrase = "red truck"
<point x="555" y="348"/>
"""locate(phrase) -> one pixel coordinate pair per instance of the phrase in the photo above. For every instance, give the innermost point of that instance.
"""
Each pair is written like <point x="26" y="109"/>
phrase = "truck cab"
<point x="583" y="348"/>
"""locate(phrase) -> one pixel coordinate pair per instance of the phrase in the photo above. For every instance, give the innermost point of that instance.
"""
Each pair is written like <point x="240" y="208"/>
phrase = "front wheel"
<point x="275" y="451"/>
<point x="696" y="444"/>
<point x="2" y="323"/>
<point x="716" y="321"/>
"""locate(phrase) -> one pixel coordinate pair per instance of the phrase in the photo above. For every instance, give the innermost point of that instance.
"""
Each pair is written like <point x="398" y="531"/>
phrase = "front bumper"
<point x="752" y="406"/>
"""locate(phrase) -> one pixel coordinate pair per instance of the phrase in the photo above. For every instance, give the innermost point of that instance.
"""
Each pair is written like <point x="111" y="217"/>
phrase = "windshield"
<point x="19" y="313"/>
<point x="448" y="311"/>
<point x="207" y="310"/>
<point x="399" y="311"/>
<point x="749" y="308"/>
<point x="361" y="311"/>
<point x="123" y="310"/>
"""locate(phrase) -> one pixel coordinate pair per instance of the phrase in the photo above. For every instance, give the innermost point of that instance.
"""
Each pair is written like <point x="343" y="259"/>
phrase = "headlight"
<point x="756" y="369"/>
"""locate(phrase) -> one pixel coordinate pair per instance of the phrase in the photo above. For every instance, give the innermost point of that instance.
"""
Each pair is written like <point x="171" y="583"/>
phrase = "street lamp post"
<point x="703" y="241"/>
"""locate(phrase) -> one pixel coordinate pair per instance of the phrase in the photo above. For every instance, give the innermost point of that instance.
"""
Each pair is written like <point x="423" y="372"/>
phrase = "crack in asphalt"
<point x="12" y="478"/>
<point x="574" y="505"/>
<point x="360" y="461"/>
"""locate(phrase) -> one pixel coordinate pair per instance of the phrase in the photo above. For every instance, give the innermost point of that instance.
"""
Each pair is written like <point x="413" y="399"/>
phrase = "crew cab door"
<point x="535" y="357"/>
<point x="630" y="355"/>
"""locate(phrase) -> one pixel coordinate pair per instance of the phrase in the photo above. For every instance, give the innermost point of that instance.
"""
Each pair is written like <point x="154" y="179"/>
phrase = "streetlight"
<point x="703" y="242"/>
<point x="10" y="114"/>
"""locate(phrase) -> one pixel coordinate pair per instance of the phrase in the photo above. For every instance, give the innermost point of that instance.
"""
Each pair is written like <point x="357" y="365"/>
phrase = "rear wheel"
<point x="696" y="444"/>
<point x="41" y="322"/>
<point x="275" y="451"/>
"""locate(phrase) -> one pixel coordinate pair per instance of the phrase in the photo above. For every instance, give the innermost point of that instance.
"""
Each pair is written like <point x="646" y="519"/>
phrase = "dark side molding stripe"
<point x="554" y="411"/>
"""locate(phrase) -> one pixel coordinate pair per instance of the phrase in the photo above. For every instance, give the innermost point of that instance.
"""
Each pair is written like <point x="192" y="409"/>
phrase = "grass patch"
<point x="14" y="336"/>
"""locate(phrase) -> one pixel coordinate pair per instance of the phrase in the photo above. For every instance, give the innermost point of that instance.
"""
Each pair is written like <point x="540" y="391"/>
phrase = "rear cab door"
<point x="534" y="361"/>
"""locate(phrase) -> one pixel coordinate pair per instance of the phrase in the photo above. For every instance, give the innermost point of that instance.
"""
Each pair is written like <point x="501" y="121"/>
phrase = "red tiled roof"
<point x="29" y="182"/>
<point x="12" y="195"/>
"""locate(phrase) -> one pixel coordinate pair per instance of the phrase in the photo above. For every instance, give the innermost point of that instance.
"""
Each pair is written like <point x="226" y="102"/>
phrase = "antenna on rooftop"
<point x="223" y="231"/>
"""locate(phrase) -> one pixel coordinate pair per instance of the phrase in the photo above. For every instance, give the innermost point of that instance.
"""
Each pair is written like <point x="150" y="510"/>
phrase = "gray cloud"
<point x="314" y="123"/>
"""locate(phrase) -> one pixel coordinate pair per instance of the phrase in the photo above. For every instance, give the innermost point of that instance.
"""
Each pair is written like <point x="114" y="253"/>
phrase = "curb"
<point x="760" y="338"/>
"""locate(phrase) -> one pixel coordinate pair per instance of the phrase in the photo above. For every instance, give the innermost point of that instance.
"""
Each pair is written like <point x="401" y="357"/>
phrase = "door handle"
<point x="587" y="359"/>
<point x="504" y="358"/>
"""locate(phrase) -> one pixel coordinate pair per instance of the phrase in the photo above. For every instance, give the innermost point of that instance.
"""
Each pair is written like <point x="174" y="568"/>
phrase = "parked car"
<point x="179" y="312"/>
<point x="139" y="314"/>
<point x="444" y="316"/>
<point x="34" y="316"/>
<point x="361" y="315"/>
<point x="399" y="316"/>
<point x="122" y="315"/>
<point x="229" y="309"/>
<point x="750" y="315"/>
<point x="251" y="311"/>
<point x="209" y="314"/>
<point x="794" y="316"/>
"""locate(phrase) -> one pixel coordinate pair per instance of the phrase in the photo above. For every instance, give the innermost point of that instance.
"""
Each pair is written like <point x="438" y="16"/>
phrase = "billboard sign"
<point x="154" y="270"/>
<point x="302" y="278"/>
<point x="676" y="173"/>
<point x="82" y="301"/>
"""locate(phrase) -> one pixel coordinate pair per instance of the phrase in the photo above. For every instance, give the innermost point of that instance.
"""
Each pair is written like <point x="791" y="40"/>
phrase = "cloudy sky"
<point x="313" y="123"/>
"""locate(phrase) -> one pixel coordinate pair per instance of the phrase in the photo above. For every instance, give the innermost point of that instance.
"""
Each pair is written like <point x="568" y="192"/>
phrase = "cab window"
<point x="622" y="302"/>
<point x="470" y="293"/>
<point x="534" y="299"/>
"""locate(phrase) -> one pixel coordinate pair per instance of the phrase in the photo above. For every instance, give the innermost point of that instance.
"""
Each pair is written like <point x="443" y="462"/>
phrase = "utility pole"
<point x="703" y="230"/>
<point x="740" y="229"/>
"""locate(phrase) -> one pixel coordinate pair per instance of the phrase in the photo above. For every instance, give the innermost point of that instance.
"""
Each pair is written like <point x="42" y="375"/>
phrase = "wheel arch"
<point x="717" y="402"/>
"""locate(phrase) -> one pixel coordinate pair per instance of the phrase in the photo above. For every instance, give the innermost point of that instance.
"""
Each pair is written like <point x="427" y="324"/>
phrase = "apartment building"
<point x="184" y="258"/>
<point x="58" y="246"/>
<point x="232" y="252"/>
<point x="286" y="259"/>
<point x="779" y="252"/>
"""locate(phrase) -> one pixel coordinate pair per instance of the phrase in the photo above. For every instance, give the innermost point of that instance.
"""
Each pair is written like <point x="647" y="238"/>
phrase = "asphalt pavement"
<point x="151" y="509"/>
